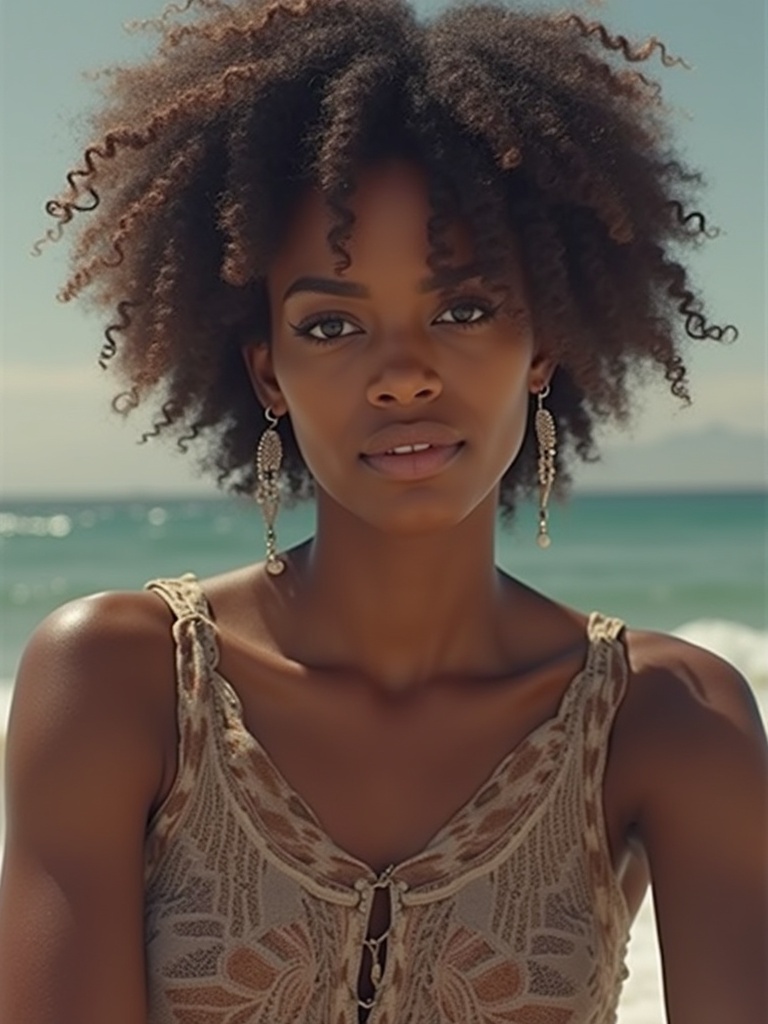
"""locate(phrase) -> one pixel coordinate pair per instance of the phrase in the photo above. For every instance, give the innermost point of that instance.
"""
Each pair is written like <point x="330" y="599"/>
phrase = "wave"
<point x="744" y="647"/>
<point x="6" y="688"/>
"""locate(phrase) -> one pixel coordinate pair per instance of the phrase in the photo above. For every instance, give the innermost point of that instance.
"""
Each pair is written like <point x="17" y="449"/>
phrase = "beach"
<point x="693" y="565"/>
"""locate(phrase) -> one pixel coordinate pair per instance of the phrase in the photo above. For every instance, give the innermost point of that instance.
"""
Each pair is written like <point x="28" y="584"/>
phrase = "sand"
<point x="641" y="1000"/>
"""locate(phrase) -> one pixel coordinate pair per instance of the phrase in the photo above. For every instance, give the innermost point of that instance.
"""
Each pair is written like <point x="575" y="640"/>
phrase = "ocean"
<point x="657" y="561"/>
<point x="692" y="564"/>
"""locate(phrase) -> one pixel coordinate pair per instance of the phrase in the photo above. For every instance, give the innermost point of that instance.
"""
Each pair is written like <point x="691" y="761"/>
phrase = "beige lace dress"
<point x="253" y="915"/>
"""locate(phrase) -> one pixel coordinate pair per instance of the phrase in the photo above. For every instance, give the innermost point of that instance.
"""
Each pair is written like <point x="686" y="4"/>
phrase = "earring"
<point x="546" y="435"/>
<point x="269" y="459"/>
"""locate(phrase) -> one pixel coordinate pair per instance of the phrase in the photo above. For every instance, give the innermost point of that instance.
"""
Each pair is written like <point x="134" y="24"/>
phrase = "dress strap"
<point x="604" y="688"/>
<point x="603" y="627"/>
<point x="606" y="671"/>
<point x="194" y="631"/>
<point x="183" y="595"/>
<point x="194" y="624"/>
<point x="604" y="676"/>
<point x="196" y="654"/>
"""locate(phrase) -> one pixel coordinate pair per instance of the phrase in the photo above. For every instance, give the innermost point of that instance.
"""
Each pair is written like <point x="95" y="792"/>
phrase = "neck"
<point x="400" y="610"/>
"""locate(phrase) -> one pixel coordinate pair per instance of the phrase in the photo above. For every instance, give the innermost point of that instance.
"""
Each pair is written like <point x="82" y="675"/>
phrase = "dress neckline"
<point x="497" y="816"/>
<point x="487" y="796"/>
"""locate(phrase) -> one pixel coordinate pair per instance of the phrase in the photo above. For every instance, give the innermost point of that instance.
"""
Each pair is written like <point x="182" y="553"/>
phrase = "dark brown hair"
<point x="525" y="122"/>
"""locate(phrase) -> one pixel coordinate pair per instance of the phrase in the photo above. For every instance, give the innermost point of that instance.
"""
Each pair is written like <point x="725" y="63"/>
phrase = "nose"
<point x="404" y="378"/>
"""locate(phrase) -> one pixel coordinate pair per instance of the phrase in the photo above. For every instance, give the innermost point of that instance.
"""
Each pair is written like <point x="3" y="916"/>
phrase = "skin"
<point x="445" y="659"/>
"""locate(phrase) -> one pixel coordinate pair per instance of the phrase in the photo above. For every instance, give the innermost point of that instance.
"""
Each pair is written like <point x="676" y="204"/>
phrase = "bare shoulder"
<point x="87" y="751"/>
<point x="689" y="731"/>
<point x="676" y="689"/>
<point x="89" y="628"/>
<point x="689" y="725"/>
<point x="96" y="645"/>
<point x="692" y="758"/>
<point x="97" y="674"/>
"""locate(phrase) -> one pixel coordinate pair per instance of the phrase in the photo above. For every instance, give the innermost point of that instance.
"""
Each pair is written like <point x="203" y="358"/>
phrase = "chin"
<point x="414" y="517"/>
<point x="412" y="511"/>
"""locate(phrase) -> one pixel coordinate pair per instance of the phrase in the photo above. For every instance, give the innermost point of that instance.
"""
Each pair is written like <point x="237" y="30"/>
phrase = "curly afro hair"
<point x="525" y="123"/>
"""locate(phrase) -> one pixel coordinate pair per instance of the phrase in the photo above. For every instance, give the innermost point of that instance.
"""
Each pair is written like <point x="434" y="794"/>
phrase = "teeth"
<point x="408" y="449"/>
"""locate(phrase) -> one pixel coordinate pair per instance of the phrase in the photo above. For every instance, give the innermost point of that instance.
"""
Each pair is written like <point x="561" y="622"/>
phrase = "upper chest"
<point x="383" y="779"/>
<point x="384" y="776"/>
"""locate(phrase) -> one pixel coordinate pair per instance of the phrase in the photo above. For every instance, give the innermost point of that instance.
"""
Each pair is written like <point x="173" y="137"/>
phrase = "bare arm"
<point x="84" y="762"/>
<point x="704" y="822"/>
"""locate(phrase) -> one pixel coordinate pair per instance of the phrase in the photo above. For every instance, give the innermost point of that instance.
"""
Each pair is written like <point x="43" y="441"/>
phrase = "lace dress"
<point x="253" y="915"/>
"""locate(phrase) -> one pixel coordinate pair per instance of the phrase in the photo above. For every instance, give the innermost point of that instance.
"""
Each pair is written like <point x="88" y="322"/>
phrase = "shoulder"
<point x="97" y="640"/>
<point x="689" y="721"/>
<point x="675" y="683"/>
<point x="95" y="692"/>
<point x="692" y="753"/>
<point x="110" y="615"/>
<point x="87" y="752"/>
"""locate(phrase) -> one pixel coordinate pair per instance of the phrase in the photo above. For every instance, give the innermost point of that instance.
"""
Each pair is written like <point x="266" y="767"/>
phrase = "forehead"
<point x="391" y="208"/>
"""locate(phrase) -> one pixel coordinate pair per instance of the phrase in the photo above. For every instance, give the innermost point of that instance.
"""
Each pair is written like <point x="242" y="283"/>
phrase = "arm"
<point x="84" y="763"/>
<point x="703" y="818"/>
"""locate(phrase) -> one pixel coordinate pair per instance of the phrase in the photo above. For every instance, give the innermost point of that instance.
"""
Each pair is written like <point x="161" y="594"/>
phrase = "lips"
<point x="411" y="435"/>
<point x="412" y="451"/>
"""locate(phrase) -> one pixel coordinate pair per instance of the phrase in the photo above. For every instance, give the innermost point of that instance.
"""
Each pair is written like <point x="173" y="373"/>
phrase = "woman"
<point x="406" y="267"/>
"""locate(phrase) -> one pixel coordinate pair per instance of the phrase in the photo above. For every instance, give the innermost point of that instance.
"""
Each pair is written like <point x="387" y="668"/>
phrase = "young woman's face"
<point x="383" y="357"/>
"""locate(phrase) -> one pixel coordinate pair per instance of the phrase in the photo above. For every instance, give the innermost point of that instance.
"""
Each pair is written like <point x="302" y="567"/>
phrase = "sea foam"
<point x="6" y="692"/>
<point x="744" y="647"/>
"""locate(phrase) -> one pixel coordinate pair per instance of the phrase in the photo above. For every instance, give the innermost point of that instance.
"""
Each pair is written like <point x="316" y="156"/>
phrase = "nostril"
<point x="402" y="389"/>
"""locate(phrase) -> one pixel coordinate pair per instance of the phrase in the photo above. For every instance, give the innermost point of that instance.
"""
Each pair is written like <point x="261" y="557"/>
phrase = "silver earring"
<point x="546" y="435"/>
<point x="269" y="459"/>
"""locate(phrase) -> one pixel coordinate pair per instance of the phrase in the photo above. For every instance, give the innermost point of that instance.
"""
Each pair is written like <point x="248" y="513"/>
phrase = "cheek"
<point x="509" y="397"/>
<point x="316" y="410"/>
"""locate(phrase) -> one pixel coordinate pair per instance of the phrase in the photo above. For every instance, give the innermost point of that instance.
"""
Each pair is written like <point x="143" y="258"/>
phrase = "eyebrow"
<point x="447" y="278"/>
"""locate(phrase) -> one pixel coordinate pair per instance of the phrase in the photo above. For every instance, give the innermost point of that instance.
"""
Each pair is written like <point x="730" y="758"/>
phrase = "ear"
<point x="543" y="366"/>
<point x="260" y="367"/>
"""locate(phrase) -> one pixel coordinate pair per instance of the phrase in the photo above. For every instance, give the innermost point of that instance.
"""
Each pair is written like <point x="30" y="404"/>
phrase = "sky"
<point x="57" y="433"/>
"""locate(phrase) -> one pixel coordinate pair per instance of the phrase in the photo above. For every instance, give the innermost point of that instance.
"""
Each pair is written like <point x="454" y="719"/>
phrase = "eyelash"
<point x="304" y="328"/>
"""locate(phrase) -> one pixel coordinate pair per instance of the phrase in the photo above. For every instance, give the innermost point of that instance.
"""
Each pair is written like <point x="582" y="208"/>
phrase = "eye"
<point x="326" y="328"/>
<point x="467" y="313"/>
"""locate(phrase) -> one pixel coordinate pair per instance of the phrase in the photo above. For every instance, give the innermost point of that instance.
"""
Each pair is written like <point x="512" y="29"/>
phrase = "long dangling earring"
<point x="269" y="459"/>
<point x="546" y="435"/>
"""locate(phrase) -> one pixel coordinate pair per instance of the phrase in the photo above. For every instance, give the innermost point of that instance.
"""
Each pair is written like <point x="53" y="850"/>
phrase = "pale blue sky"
<point x="58" y="435"/>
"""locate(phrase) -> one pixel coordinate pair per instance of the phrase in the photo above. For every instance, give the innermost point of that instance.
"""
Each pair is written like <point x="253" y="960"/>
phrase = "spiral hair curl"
<point x="526" y="123"/>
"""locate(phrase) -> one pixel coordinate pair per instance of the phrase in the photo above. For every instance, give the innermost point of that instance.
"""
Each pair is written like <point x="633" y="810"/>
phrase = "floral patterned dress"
<point x="511" y="913"/>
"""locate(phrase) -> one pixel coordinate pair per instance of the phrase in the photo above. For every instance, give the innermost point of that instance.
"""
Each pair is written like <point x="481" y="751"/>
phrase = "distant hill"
<point x="715" y="458"/>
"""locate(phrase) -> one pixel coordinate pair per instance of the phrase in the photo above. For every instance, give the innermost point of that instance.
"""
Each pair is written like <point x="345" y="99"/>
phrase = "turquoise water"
<point x="657" y="561"/>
